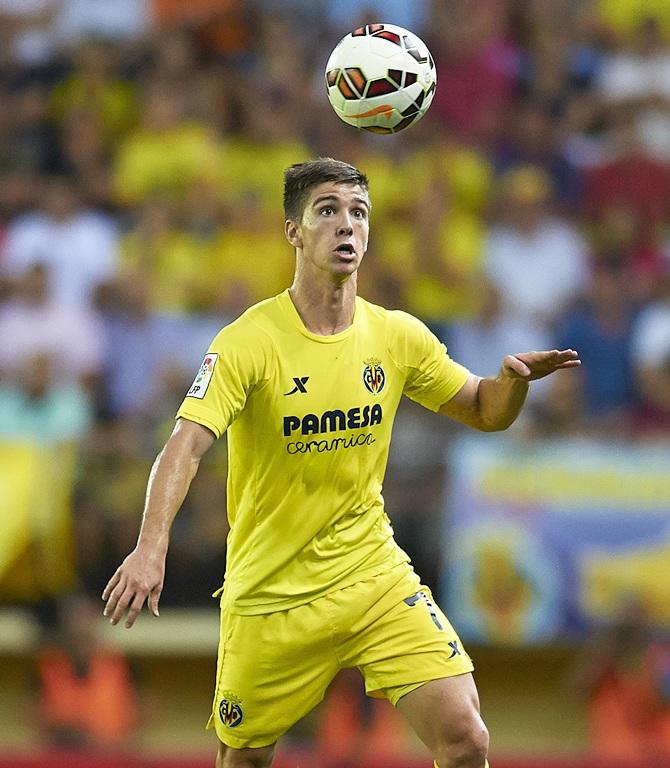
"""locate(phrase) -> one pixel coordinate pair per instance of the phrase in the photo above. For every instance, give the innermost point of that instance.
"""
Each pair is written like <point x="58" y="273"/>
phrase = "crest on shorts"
<point x="373" y="375"/>
<point x="230" y="709"/>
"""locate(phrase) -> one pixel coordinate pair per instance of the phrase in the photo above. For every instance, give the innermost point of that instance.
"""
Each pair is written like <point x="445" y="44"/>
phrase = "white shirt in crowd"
<point x="536" y="274"/>
<point x="80" y="253"/>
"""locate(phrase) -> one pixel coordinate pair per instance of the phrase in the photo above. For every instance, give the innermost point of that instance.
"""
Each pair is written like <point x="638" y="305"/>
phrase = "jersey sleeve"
<point x="432" y="378"/>
<point x="238" y="360"/>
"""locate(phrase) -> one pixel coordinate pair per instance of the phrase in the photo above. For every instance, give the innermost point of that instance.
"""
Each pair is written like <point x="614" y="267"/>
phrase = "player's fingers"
<point x="114" y="596"/>
<point x="111" y="584"/>
<point x="516" y="365"/>
<point x="154" y="597"/>
<point x="134" y="609"/>
<point x="566" y="354"/>
<point x="122" y="603"/>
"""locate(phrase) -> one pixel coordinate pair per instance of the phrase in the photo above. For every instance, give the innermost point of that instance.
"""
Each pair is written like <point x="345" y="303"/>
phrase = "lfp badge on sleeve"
<point x="204" y="376"/>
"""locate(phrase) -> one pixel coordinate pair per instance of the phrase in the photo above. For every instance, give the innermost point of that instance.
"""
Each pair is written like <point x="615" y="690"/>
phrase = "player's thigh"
<point x="272" y="670"/>
<point x="446" y="712"/>
<point x="229" y="757"/>
<point x="405" y="640"/>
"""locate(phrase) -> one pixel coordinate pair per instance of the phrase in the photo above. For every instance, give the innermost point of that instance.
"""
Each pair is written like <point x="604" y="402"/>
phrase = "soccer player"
<point x="307" y="384"/>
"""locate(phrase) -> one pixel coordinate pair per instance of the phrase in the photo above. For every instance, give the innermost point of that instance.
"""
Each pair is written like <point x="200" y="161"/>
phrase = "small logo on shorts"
<point x="412" y="600"/>
<point x="230" y="710"/>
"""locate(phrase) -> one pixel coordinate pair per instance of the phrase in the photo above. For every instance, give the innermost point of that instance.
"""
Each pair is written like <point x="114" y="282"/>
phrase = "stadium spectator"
<point x="250" y="256"/>
<point x="208" y="86"/>
<point x="95" y="86"/>
<point x="600" y="326"/>
<point x="651" y="359"/>
<point x="535" y="259"/>
<point x="175" y="59"/>
<point x="475" y="340"/>
<point x="637" y="71"/>
<point x="531" y="137"/>
<point x="562" y="54"/>
<point x="635" y="79"/>
<point x="476" y="67"/>
<point x="31" y="143"/>
<point x="33" y="321"/>
<point x="84" y="155"/>
<point x="114" y="460"/>
<point x="343" y="16"/>
<point x="88" y="697"/>
<point x="143" y="346"/>
<point x="447" y="246"/>
<point x="275" y="115"/>
<point x="175" y="264"/>
<point x="622" y="17"/>
<point x="167" y="152"/>
<point x="623" y="672"/>
<point x="78" y="246"/>
<point x="619" y="235"/>
<point x="580" y="139"/>
<point x="27" y="30"/>
<point x="223" y="27"/>
<point x="628" y="175"/>
<point x="124" y="21"/>
<point x="35" y="406"/>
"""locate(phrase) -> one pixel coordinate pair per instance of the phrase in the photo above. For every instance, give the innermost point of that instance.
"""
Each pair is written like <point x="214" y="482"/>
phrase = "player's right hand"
<point x="137" y="580"/>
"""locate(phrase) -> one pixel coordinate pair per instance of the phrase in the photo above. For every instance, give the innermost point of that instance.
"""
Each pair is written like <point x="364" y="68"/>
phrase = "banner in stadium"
<point x="543" y="538"/>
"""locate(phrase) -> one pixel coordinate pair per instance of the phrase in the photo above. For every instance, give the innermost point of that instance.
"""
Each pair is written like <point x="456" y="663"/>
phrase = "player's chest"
<point x="333" y="388"/>
<point x="334" y="371"/>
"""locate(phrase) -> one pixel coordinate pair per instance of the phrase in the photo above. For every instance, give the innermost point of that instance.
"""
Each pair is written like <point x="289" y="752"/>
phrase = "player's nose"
<point x="345" y="226"/>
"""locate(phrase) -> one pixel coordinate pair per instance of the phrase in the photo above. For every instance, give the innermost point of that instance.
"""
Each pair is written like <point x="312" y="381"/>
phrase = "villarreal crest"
<point x="230" y="710"/>
<point x="373" y="375"/>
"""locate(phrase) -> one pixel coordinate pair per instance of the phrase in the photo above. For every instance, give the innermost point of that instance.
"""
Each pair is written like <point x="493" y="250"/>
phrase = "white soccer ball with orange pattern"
<point x="381" y="78"/>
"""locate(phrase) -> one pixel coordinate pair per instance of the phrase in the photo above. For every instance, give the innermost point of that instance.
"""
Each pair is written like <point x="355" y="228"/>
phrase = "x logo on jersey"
<point x="300" y="382"/>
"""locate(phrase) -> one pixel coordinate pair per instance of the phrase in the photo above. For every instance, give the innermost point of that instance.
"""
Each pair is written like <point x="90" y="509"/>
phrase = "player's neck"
<point x="325" y="309"/>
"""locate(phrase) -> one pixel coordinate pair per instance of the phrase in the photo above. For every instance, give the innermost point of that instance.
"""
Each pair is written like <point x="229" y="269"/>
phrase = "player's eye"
<point x="359" y="213"/>
<point x="327" y="210"/>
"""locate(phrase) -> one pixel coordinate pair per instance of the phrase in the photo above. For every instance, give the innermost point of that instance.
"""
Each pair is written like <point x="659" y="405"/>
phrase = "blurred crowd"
<point x="142" y="145"/>
<point x="142" y="151"/>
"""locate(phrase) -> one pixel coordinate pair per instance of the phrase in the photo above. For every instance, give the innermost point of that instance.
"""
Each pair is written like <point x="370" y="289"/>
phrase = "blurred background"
<point x="142" y="145"/>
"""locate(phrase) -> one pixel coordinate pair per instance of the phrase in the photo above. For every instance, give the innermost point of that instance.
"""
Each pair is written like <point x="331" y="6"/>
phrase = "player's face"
<point x="333" y="233"/>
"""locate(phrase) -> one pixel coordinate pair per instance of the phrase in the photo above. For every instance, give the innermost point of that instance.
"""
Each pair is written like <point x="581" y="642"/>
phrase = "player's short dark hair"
<point x="301" y="178"/>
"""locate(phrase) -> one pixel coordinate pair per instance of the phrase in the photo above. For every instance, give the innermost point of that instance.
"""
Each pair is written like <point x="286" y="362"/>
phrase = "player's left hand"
<point x="529" y="366"/>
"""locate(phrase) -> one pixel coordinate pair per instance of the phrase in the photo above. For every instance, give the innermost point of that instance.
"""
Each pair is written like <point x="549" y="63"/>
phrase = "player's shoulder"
<point x="401" y="329"/>
<point x="255" y="326"/>
<point x="398" y="322"/>
<point x="265" y="314"/>
<point x="396" y="317"/>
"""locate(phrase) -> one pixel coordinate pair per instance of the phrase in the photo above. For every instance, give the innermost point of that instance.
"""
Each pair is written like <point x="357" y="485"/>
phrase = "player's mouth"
<point x="345" y="250"/>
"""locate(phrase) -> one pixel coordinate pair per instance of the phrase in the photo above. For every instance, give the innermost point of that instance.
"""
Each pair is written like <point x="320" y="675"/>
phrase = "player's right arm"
<point x="140" y="576"/>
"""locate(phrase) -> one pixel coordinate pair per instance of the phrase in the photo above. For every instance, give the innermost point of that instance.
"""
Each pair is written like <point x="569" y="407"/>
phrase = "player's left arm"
<point x="492" y="404"/>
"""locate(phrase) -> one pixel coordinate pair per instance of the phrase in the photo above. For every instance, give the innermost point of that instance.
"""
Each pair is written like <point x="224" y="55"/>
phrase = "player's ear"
<point x="293" y="233"/>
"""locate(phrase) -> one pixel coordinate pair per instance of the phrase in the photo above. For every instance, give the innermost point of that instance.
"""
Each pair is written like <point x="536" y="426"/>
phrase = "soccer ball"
<point x="380" y="78"/>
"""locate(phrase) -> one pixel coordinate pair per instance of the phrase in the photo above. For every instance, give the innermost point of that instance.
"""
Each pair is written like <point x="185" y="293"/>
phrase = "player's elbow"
<point x="495" y="424"/>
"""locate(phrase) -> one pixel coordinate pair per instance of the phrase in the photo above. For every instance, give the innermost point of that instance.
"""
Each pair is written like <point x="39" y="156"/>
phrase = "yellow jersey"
<point x="309" y="422"/>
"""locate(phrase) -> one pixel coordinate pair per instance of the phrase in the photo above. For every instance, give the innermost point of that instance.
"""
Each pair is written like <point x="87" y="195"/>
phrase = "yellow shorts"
<point x="274" y="668"/>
